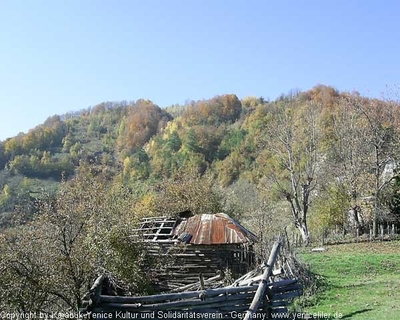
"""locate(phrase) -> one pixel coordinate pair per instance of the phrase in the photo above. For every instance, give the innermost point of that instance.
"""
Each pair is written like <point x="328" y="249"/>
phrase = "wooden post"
<point x="287" y="240"/>
<point x="358" y="234"/>
<point x="95" y="292"/>
<point x="382" y="231"/>
<point x="201" y="281"/>
<point x="263" y="284"/>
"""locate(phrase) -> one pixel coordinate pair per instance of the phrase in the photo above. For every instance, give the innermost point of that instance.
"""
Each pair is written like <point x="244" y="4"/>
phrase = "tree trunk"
<point x="302" y="226"/>
<point x="376" y="199"/>
<point x="300" y="216"/>
<point x="357" y="223"/>
<point x="374" y="226"/>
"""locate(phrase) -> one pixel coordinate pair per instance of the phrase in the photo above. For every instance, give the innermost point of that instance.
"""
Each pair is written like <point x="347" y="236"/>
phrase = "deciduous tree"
<point x="292" y="164"/>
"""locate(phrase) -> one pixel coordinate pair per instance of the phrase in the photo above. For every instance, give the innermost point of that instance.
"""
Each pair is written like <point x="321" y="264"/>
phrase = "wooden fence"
<point x="386" y="232"/>
<point x="260" y="292"/>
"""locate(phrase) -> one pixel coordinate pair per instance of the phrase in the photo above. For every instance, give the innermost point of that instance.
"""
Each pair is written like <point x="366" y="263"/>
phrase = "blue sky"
<point x="60" y="56"/>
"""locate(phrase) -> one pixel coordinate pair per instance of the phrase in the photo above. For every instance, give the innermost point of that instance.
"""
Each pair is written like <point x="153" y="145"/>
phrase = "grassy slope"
<point x="362" y="281"/>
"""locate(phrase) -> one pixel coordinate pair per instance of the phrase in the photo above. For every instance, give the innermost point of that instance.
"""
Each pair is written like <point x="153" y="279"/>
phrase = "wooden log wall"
<point x="190" y="260"/>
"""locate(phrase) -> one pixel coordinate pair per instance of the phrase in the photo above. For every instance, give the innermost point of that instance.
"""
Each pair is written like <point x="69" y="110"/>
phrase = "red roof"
<point x="213" y="229"/>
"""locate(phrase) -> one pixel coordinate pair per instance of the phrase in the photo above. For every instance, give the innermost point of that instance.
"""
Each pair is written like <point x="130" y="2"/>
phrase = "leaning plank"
<point x="97" y="285"/>
<point x="250" y="281"/>
<point x="94" y="293"/>
<point x="263" y="284"/>
<point x="218" y="277"/>
<point x="247" y="276"/>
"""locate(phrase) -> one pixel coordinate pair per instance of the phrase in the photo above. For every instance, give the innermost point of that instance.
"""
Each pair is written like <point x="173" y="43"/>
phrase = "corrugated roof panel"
<point x="214" y="229"/>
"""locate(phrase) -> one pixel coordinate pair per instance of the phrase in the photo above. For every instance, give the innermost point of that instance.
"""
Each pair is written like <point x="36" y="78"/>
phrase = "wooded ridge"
<point x="73" y="190"/>
<point x="335" y="150"/>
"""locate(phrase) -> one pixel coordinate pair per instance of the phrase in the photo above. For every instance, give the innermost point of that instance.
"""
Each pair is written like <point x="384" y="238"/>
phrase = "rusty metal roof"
<point x="213" y="229"/>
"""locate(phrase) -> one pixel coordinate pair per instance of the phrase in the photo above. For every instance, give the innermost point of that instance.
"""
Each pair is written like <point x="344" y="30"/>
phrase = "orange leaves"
<point x="144" y="119"/>
<point x="226" y="108"/>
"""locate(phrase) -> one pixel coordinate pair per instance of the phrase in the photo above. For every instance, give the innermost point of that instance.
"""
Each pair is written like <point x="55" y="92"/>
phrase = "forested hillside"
<point x="320" y="158"/>
<point x="74" y="188"/>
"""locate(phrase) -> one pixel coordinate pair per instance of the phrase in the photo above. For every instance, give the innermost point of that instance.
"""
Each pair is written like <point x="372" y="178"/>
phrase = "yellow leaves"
<point x="214" y="111"/>
<point x="170" y="127"/>
<point x="46" y="157"/>
<point x="331" y="208"/>
<point x="188" y="191"/>
<point x="146" y="207"/>
<point x="251" y="102"/>
<point x="12" y="146"/>
<point x="6" y="190"/>
<point x="127" y="166"/>
<point x="5" y="195"/>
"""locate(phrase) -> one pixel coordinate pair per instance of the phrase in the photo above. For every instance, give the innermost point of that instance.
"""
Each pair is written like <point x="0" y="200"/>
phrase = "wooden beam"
<point x="263" y="284"/>
<point x="175" y="296"/>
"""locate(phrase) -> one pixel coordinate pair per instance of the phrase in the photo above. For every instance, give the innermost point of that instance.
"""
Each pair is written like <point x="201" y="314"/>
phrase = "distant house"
<point x="205" y="243"/>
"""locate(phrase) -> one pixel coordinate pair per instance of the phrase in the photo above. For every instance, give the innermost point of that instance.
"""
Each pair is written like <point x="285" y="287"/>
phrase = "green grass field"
<point x="358" y="281"/>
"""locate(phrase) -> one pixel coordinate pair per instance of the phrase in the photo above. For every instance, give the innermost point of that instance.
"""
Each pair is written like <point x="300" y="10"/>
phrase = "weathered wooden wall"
<point x="187" y="261"/>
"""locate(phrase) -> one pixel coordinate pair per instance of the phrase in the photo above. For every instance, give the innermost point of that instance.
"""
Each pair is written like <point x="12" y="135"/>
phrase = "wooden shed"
<point x="206" y="244"/>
